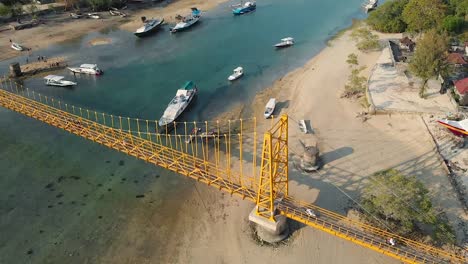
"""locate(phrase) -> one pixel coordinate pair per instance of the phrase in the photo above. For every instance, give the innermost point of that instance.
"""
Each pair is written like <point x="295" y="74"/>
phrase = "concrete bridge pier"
<point x="268" y="230"/>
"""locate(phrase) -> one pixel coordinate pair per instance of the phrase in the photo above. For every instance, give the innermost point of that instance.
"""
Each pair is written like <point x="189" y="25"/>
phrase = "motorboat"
<point x="150" y="26"/>
<point x="87" y="69"/>
<point x="188" y="21"/>
<point x="56" y="80"/>
<point x="238" y="72"/>
<point x="17" y="46"/>
<point x="285" y="42"/>
<point x="371" y="5"/>
<point x="303" y="126"/>
<point x="76" y="15"/>
<point x="458" y="128"/>
<point x="244" y="8"/>
<point x="94" y="15"/>
<point x="270" y="107"/>
<point x="179" y="103"/>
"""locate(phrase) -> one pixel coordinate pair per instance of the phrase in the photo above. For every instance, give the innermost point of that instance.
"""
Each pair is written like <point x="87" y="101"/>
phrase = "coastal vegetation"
<point x="388" y="18"/>
<point x="430" y="58"/>
<point x="402" y="204"/>
<point x="365" y="39"/>
<point x="356" y="85"/>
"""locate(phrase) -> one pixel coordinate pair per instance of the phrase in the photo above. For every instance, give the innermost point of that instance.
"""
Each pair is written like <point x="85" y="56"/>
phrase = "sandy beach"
<point x="199" y="224"/>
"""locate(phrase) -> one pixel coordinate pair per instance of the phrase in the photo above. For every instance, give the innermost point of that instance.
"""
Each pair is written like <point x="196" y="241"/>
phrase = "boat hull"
<point x="242" y="11"/>
<point x="457" y="131"/>
<point x="234" y="77"/>
<point x="150" y="31"/>
<point x="175" y="30"/>
<point x="280" y="46"/>
<point x="168" y="125"/>
<point x="77" y="70"/>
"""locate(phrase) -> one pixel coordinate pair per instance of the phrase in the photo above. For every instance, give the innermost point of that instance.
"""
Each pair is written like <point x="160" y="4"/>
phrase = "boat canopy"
<point x="238" y="69"/>
<point x="195" y="11"/>
<point x="287" y="39"/>
<point x="188" y="85"/>
<point x="54" y="77"/>
<point x="182" y="92"/>
<point x="89" y="66"/>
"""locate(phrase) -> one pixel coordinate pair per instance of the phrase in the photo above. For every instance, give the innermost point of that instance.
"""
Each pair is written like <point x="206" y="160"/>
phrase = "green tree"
<point x="97" y="5"/>
<point x="430" y="58"/>
<point x="422" y="15"/>
<point x="401" y="202"/>
<point x="388" y="17"/>
<point x="4" y="10"/>
<point x="32" y="9"/>
<point x="453" y="24"/>
<point x="366" y="41"/>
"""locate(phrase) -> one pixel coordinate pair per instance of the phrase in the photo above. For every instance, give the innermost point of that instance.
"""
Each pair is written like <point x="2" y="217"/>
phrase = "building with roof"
<point x="456" y="59"/>
<point x="461" y="89"/>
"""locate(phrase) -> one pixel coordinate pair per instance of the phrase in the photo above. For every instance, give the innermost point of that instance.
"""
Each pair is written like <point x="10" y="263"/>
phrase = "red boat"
<point x="458" y="128"/>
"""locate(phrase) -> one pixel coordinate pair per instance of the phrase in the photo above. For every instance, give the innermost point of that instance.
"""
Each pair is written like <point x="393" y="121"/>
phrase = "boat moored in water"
<point x="16" y="46"/>
<point x="270" y="107"/>
<point x="371" y="5"/>
<point x="188" y="21"/>
<point x="150" y="26"/>
<point x="87" y="69"/>
<point x="56" y="80"/>
<point x="285" y="42"/>
<point x="244" y="8"/>
<point x="178" y="104"/>
<point x="238" y="72"/>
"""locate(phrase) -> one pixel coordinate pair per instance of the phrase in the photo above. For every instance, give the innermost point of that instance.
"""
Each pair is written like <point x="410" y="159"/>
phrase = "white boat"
<point x="86" y="69"/>
<point x="16" y="46"/>
<point x="56" y="80"/>
<point x="149" y="26"/>
<point x="244" y="8"/>
<point x="187" y="21"/>
<point x="285" y="42"/>
<point x="178" y="104"/>
<point x="371" y="5"/>
<point x="458" y="128"/>
<point x="76" y="15"/>
<point x="302" y="126"/>
<point x="238" y="72"/>
<point x="270" y="107"/>
<point x="94" y="15"/>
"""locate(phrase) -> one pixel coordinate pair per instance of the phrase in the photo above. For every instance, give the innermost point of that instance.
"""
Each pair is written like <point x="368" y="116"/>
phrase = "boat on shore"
<point x="150" y="26"/>
<point x="187" y="21"/>
<point x="115" y="12"/>
<point x="244" y="8"/>
<point x="285" y="42"/>
<point x="55" y="80"/>
<point x="178" y="104"/>
<point x="87" y="69"/>
<point x="94" y="15"/>
<point x="76" y="15"/>
<point x="458" y="128"/>
<point x="270" y="107"/>
<point x="238" y="72"/>
<point x="371" y="5"/>
<point x="17" y="46"/>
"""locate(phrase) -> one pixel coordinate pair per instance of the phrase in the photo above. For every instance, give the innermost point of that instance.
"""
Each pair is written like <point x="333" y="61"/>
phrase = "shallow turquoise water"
<point x="141" y="76"/>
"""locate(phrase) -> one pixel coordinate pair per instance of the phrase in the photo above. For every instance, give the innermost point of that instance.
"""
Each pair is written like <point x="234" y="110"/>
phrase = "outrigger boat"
<point x="56" y="80"/>
<point x="244" y="8"/>
<point x="87" y="69"/>
<point x="16" y="46"/>
<point x="178" y="104"/>
<point x="187" y="21"/>
<point x="458" y="128"/>
<point x="238" y="72"/>
<point x="149" y="26"/>
<point x="270" y="108"/>
<point x="371" y="5"/>
<point x="285" y="42"/>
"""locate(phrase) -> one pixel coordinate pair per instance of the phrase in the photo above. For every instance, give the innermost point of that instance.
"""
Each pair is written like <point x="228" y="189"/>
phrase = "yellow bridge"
<point x="209" y="157"/>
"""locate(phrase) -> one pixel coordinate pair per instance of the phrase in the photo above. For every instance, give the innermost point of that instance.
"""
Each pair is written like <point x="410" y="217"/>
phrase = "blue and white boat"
<point x="244" y="8"/>
<point x="188" y="21"/>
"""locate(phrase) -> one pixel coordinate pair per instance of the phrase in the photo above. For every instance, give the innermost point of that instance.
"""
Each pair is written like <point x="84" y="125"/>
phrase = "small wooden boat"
<point x="193" y="134"/>
<point x="238" y="72"/>
<point x="270" y="107"/>
<point x="302" y="126"/>
<point x="16" y="46"/>
<point x="56" y="80"/>
<point x="285" y="42"/>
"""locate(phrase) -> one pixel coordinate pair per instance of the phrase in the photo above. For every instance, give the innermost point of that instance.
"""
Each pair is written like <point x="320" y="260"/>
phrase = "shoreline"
<point x="59" y="28"/>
